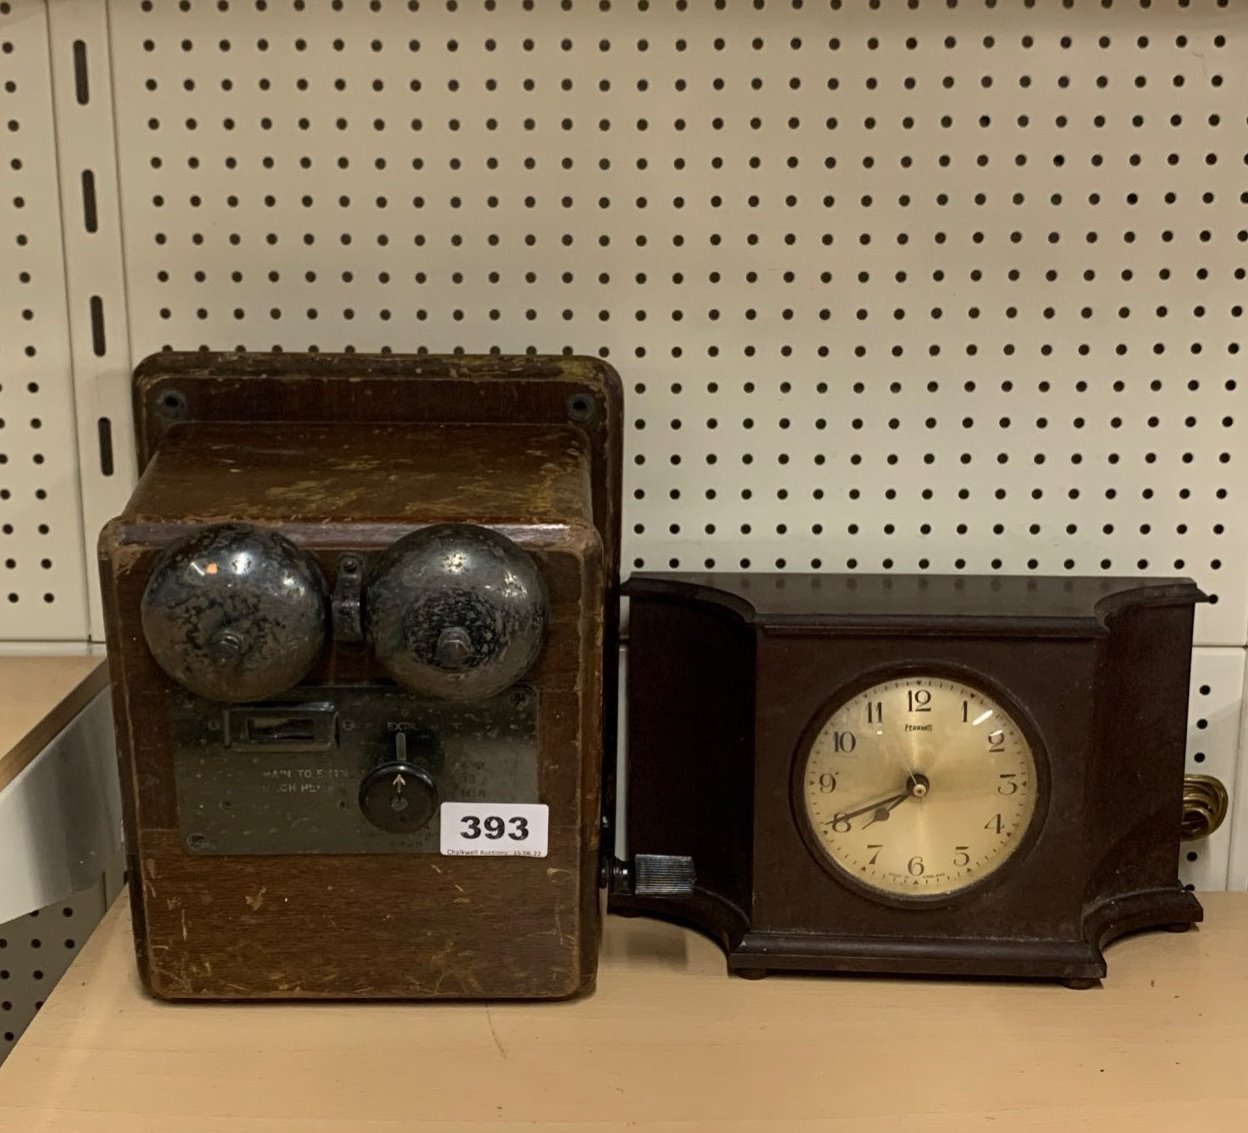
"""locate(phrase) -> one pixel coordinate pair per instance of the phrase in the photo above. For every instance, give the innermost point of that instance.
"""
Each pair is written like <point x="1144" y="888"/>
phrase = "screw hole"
<point x="173" y="403"/>
<point x="580" y="407"/>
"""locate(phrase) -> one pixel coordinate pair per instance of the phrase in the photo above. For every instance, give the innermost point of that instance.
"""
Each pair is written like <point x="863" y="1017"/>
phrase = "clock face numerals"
<point x="919" y="786"/>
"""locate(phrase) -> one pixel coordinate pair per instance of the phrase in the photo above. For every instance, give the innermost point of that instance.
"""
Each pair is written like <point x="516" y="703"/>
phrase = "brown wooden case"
<point x="347" y="454"/>
<point x="727" y="674"/>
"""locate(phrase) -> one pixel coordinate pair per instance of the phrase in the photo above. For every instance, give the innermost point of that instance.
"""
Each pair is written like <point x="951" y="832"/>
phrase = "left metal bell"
<point x="235" y="612"/>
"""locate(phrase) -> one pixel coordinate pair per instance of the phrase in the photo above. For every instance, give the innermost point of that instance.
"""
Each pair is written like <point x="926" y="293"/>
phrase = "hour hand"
<point x="881" y="804"/>
<point x="882" y="812"/>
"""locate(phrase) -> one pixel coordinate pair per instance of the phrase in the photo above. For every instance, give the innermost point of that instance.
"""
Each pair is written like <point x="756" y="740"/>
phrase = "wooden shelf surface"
<point x="668" y="1043"/>
<point x="38" y="697"/>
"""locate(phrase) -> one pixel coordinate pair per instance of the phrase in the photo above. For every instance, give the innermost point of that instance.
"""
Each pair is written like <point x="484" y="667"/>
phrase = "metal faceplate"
<point x="283" y="777"/>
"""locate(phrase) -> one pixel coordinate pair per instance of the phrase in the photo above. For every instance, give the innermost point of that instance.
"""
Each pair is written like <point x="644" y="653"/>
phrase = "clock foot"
<point x="751" y="973"/>
<point x="1081" y="985"/>
<point x="1183" y="926"/>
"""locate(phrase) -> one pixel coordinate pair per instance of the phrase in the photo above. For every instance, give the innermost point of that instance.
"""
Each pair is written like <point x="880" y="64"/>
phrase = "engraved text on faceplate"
<point x="284" y="777"/>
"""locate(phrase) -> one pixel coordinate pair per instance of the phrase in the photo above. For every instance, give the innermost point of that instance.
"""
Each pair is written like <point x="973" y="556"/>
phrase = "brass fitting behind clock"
<point x="1204" y="806"/>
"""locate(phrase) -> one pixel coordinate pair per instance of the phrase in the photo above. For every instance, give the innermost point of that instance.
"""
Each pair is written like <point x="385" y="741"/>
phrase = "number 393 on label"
<point x="480" y="829"/>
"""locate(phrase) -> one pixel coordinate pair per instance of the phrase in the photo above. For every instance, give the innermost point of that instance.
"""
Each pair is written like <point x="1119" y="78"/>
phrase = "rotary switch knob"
<point x="399" y="794"/>
<point x="235" y="612"/>
<point x="455" y="611"/>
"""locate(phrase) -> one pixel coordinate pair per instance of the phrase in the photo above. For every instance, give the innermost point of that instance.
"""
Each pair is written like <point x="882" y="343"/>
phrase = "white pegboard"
<point x="60" y="835"/>
<point x="1237" y="876"/>
<point x="912" y="285"/>
<point x="99" y="341"/>
<point x="43" y="590"/>
<point x="893" y="285"/>
<point x="1213" y="716"/>
<point x="36" y="949"/>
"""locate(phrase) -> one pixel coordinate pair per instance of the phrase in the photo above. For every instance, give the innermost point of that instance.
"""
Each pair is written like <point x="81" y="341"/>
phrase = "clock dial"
<point x="919" y="786"/>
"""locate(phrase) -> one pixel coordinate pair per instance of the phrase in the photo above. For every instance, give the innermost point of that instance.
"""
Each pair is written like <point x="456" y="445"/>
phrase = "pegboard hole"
<point x="780" y="252"/>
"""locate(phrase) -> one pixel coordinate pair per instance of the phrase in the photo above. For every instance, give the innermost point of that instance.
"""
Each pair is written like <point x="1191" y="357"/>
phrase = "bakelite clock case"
<point x="731" y="676"/>
<point x="288" y="847"/>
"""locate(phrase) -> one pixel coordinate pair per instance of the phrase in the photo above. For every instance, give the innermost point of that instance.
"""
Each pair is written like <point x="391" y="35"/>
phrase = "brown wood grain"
<point x="404" y="451"/>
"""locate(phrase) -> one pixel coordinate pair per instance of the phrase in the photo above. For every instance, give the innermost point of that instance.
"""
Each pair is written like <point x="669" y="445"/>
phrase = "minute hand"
<point x="842" y="816"/>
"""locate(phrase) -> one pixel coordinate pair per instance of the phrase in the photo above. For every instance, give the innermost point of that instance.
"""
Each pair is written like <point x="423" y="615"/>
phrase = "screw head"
<point x="226" y="647"/>
<point x="454" y="649"/>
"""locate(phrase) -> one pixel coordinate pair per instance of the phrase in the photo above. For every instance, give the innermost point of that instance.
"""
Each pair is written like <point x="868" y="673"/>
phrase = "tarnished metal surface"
<point x="455" y="611"/>
<point x="235" y="613"/>
<point x="346" y="607"/>
<point x="1205" y="803"/>
<point x="299" y="795"/>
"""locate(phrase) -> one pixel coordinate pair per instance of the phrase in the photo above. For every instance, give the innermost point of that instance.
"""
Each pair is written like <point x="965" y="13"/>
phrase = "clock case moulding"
<point x="729" y="676"/>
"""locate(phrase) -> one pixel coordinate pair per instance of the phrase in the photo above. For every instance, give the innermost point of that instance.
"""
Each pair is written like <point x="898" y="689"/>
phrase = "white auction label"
<point x="512" y="830"/>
